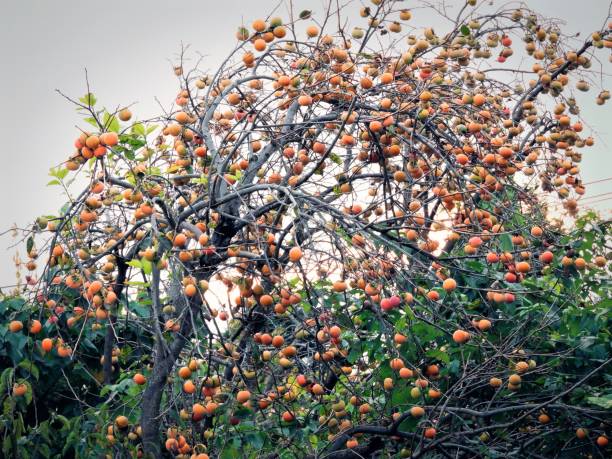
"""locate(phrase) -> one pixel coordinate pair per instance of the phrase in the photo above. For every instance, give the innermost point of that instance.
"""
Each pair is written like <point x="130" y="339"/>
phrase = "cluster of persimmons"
<point x="318" y="192"/>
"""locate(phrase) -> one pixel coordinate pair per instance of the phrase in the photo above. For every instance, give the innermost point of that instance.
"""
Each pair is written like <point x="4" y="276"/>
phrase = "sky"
<point x="128" y="48"/>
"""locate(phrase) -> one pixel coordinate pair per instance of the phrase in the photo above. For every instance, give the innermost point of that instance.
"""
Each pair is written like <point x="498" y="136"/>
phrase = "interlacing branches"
<point x="337" y="246"/>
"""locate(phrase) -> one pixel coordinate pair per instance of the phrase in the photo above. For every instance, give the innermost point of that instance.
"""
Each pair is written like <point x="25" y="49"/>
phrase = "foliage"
<point x="333" y="247"/>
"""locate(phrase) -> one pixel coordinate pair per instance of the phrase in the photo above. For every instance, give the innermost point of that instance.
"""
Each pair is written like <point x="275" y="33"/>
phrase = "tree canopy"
<point x="339" y="244"/>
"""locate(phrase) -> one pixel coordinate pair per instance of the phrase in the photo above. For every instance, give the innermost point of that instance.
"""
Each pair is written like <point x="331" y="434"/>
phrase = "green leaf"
<point x="439" y="355"/>
<point x="425" y="332"/>
<point x="400" y="396"/>
<point x="232" y="450"/>
<point x="72" y="439"/>
<point x="44" y="431"/>
<point x="14" y="304"/>
<point x="453" y="367"/>
<point x="305" y="14"/>
<point x="58" y="173"/>
<point x="5" y="379"/>
<point x="465" y="30"/>
<point x="354" y="354"/>
<point x="65" y="423"/>
<point x="335" y="158"/>
<point x="118" y="388"/>
<point x="138" y="283"/>
<point x="135" y="264"/>
<point x="132" y="141"/>
<point x="43" y="449"/>
<point x="17" y="344"/>
<point x="88" y="99"/>
<point x="30" y="367"/>
<point x="28" y="394"/>
<point x="505" y="242"/>
<point x="30" y="244"/>
<point x="91" y="121"/>
<point x="140" y="309"/>
<point x="7" y="445"/>
<point x="139" y="129"/>
<point x="111" y="122"/>
<point x="256" y="440"/>
<point x="147" y="266"/>
<point x="604" y="402"/>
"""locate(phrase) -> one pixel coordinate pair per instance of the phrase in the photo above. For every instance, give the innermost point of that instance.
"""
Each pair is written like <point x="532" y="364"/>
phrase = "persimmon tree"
<point x="338" y="244"/>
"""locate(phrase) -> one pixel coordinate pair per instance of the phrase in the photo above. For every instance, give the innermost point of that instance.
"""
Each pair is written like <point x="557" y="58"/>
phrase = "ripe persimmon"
<point x="58" y="251"/>
<point x="581" y="433"/>
<point x="312" y="31"/>
<point x="405" y="373"/>
<point x="259" y="44"/>
<point x="125" y="114"/>
<point x="478" y="100"/>
<point x="317" y="389"/>
<point x="305" y="100"/>
<point x="198" y="411"/>
<point x="339" y="286"/>
<point x="449" y="284"/>
<point x="602" y="441"/>
<point x="122" y="422"/>
<point x="259" y="25"/>
<point x="189" y="387"/>
<point x="184" y="372"/>
<point x="19" y="389"/>
<point x="182" y="117"/>
<point x="171" y="444"/>
<point x="266" y="300"/>
<point x="521" y="367"/>
<point x="352" y="443"/>
<point x="15" y="326"/>
<point x="461" y="336"/>
<point x="110" y="139"/>
<point x="544" y="418"/>
<point x="547" y="257"/>
<point x="397" y="364"/>
<point x="179" y="240"/>
<point x="190" y="290"/>
<point x="536" y="231"/>
<point x="47" y="344"/>
<point x="335" y="331"/>
<point x="386" y="78"/>
<point x="405" y="15"/>
<point x="279" y="31"/>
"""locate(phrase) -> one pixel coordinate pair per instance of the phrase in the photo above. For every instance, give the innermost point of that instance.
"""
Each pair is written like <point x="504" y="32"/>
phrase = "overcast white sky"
<point x="128" y="48"/>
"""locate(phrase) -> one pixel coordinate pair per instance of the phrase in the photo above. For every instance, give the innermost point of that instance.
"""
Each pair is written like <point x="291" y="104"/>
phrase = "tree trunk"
<point x="109" y="339"/>
<point x="150" y="419"/>
<point x="164" y="361"/>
